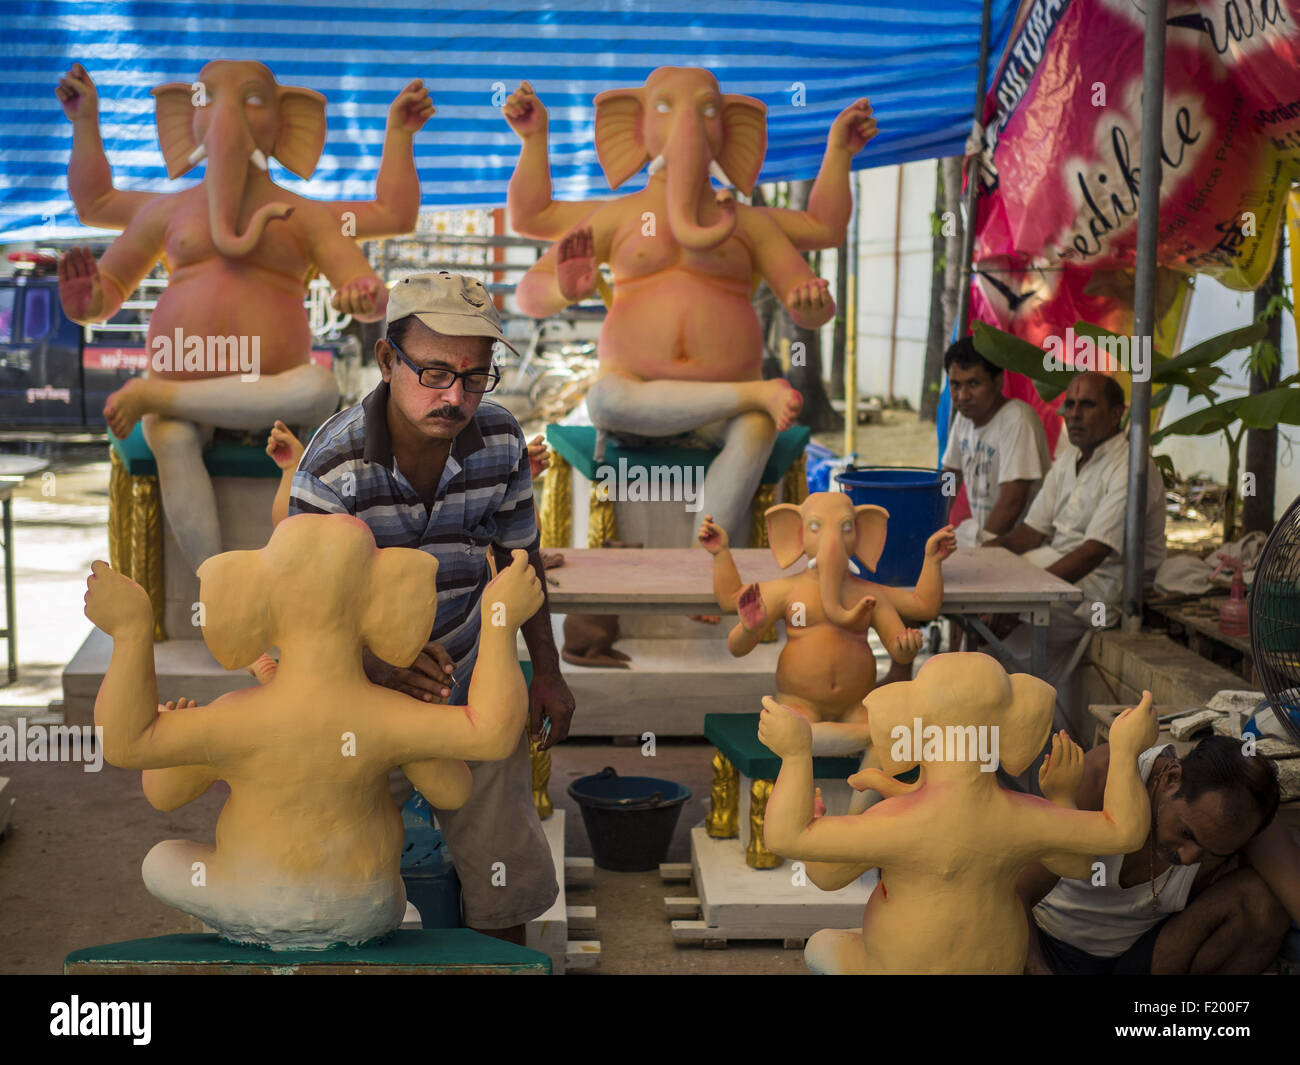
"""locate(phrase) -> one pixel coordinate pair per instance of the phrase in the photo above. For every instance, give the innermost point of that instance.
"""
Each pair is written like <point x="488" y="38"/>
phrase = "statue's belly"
<point x="681" y="325"/>
<point x="239" y="322"/>
<point x="831" y="668"/>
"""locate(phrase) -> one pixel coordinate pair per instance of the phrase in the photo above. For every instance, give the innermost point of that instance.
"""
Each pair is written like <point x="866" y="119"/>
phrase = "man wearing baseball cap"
<point x="427" y="462"/>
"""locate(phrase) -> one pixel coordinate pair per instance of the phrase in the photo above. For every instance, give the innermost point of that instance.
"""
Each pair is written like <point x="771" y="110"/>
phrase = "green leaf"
<point x="1166" y="467"/>
<point x="1211" y="350"/>
<point x="1203" y="422"/>
<point x="1267" y="410"/>
<point x="1020" y="356"/>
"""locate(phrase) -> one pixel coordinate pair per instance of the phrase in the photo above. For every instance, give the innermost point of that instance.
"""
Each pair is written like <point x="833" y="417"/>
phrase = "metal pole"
<point x="851" y="330"/>
<point x="1144" y="309"/>
<point x="972" y="180"/>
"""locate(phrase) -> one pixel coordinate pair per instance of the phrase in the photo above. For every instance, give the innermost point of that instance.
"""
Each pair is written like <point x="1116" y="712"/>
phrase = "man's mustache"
<point x="453" y="413"/>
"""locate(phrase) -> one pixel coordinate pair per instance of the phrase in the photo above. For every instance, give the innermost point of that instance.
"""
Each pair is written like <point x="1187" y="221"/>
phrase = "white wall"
<point x="878" y="190"/>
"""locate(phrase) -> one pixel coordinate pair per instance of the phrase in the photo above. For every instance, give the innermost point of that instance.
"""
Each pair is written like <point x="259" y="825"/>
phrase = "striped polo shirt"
<point x="485" y="497"/>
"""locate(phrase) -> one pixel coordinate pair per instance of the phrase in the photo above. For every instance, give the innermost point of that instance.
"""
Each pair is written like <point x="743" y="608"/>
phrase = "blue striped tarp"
<point x="806" y="61"/>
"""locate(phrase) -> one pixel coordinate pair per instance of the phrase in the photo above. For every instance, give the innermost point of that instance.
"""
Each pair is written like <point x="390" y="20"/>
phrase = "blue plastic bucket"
<point x="917" y="509"/>
<point x="629" y="820"/>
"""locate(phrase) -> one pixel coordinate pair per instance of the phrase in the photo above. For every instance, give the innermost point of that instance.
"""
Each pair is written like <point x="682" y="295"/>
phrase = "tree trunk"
<point x="1261" y="444"/>
<point x="805" y="371"/>
<point x="944" y="276"/>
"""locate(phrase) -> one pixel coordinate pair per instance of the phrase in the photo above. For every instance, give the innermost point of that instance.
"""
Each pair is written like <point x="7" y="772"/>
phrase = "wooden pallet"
<point x="551" y="932"/>
<point x="733" y="901"/>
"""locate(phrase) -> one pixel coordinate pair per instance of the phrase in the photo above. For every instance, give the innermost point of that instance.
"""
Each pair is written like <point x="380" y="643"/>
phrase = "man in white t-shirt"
<point x="1211" y="890"/>
<point x="1075" y="525"/>
<point x="996" y="447"/>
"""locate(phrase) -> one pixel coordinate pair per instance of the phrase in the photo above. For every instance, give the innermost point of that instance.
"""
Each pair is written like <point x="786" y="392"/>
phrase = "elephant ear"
<point x="174" y="116"/>
<point x="620" y="146"/>
<point x="237" y="623"/>
<point x="785" y="532"/>
<point x="1025" y="723"/>
<point x="401" y="603"/>
<point x="870" y="523"/>
<point x="300" y="138"/>
<point x="744" y="122"/>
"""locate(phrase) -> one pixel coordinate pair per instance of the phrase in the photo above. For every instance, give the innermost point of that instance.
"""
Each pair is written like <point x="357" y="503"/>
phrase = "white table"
<point x="679" y="580"/>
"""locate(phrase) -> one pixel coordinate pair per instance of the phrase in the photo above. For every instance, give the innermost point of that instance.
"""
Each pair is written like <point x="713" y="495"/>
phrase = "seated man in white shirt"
<point x="996" y="447"/>
<point x="1075" y="526"/>
<point x="1213" y="889"/>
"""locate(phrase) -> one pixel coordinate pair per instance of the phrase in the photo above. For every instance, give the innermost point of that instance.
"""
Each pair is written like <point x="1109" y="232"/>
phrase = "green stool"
<point x="573" y="448"/>
<point x="744" y="771"/>
<point x="428" y="952"/>
<point x="135" y="517"/>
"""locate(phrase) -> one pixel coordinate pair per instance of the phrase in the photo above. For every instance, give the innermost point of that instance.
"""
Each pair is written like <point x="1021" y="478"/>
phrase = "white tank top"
<point x="1106" y="919"/>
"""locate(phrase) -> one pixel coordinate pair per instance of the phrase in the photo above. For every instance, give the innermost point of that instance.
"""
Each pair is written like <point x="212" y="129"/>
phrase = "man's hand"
<point x="412" y="108"/>
<point x="549" y="698"/>
<point x="116" y="604"/>
<point x="539" y="455"/>
<point x="78" y="95"/>
<point x="525" y="113"/>
<point x="782" y="731"/>
<point x="428" y="678"/>
<point x="1062" y="771"/>
<point x="942" y="544"/>
<point x="853" y="127"/>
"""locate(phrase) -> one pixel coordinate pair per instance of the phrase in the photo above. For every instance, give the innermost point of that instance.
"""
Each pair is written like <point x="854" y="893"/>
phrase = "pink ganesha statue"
<point x="680" y="349"/>
<point x="229" y="339"/>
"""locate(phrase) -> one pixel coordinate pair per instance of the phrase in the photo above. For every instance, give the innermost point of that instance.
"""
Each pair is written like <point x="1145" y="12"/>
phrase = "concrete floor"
<point x="70" y="866"/>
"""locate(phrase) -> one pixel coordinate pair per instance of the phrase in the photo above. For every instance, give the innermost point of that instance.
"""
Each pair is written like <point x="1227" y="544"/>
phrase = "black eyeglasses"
<point x="437" y="377"/>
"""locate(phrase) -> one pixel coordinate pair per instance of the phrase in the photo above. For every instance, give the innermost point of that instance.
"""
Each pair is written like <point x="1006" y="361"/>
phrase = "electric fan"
<point x="1275" y="620"/>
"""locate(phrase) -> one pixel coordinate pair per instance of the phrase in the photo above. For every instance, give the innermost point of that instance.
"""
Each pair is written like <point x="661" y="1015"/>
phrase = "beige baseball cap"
<point x="451" y="304"/>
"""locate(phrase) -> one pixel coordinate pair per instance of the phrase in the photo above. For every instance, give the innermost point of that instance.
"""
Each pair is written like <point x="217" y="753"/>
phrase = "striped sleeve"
<point x="516" y="519"/>
<point x="308" y="494"/>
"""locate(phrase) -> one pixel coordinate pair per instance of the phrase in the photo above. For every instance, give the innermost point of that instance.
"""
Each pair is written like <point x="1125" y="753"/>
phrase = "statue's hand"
<point x="907" y="644"/>
<point x="1134" y="730"/>
<point x="853" y="127"/>
<point x="525" y="113"/>
<point x="810" y="303"/>
<point x="753" y="615"/>
<point x="178" y="704"/>
<point x="78" y="95"/>
<point x="365" y="298"/>
<point x="941" y="544"/>
<point x="80" y="292"/>
<point x="116" y="604"/>
<point x="575" y="269"/>
<point x="1062" y="770"/>
<point x="284" y="448"/>
<point x="713" y="536"/>
<point x="412" y="108"/>
<point x="784" y="732"/>
<point x="513" y="596"/>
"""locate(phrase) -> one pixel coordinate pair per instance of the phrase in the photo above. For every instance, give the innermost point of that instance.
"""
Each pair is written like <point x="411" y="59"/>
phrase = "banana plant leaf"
<point x="1010" y="352"/>
<point x="1203" y="422"/>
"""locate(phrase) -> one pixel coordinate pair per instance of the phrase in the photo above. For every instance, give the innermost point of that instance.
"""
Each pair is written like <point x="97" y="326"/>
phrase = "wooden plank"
<point x="671" y="872"/>
<point x="683" y="906"/>
<point x="680" y="580"/>
<point x="582" y="954"/>
<point x="549" y="932"/>
<point x="582" y="918"/>
<point x="696" y="933"/>
<point x="579" y="872"/>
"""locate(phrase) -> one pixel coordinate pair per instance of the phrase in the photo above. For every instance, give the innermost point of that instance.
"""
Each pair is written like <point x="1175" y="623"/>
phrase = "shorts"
<point x="1065" y="959"/>
<point x="496" y="841"/>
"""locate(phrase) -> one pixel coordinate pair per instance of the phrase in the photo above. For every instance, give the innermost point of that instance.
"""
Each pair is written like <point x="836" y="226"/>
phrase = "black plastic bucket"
<point x="630" y="820"/>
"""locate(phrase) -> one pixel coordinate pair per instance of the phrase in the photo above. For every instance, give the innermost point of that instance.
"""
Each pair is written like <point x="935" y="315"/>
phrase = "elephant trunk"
<point x="832" y="565"/>
<point x="229" y="151"/>
<point x="688" y="156"/>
